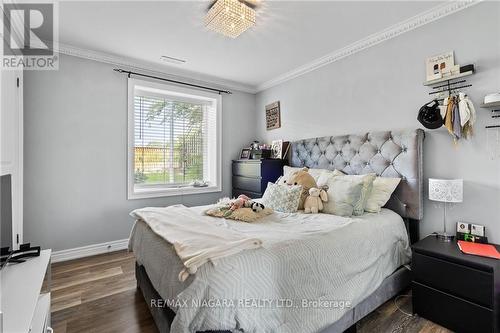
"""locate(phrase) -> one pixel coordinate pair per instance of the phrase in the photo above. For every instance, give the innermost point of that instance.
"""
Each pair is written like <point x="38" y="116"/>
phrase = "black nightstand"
<point x="456" y="290"/>
<point x="250" y="177"/>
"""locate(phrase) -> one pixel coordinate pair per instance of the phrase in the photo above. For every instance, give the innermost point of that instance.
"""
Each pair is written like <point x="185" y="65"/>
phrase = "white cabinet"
<point x="11" y="143"/>
<point x="25" y="297"/>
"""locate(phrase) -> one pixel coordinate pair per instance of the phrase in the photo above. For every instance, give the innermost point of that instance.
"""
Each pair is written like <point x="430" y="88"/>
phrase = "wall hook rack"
<point x="450" y="87"/>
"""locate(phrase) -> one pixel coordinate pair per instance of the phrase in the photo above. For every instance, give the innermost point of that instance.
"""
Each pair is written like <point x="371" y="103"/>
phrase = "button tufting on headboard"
<point x="387" y="153"/>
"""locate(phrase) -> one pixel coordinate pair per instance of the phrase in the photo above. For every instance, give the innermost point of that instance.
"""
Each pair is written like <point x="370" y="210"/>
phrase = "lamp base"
<point x="445" y="237"/>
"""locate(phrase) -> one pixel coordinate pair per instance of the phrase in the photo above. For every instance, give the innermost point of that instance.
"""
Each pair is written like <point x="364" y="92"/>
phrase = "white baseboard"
<point x="89" y="250"/>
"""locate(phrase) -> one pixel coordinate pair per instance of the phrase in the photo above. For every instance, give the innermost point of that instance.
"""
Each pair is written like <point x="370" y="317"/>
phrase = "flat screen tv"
<point x="6" y="211"/>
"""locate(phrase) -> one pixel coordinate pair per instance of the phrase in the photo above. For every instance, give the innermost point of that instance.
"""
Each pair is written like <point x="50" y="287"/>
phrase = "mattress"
<point x="285" y="286"/>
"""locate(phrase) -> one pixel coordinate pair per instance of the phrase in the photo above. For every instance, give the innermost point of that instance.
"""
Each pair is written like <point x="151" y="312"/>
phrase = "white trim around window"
<point x="212" y="142"/>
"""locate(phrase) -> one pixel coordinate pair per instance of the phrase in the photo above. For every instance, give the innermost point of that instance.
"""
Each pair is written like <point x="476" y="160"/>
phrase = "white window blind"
<point x="174" y="141"/>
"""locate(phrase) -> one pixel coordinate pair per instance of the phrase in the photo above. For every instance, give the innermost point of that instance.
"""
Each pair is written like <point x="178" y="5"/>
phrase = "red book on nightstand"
<point x="483" y="250"/>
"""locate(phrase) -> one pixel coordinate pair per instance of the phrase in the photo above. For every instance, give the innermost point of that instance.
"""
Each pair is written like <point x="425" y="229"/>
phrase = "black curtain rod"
<point x="119" y="70"/>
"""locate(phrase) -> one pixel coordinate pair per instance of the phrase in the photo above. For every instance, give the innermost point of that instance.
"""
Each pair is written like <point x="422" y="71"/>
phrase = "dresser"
<point x="456" y="290"/>
<point x="250" y="177"/>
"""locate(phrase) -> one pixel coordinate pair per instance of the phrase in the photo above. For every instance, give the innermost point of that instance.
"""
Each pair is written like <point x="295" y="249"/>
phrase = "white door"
<point x="11" y="144"/>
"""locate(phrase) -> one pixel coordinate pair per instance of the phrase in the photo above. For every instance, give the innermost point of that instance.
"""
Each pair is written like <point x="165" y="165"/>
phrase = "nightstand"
<point x="456" y="290"/>
<point x="250" y="177"/>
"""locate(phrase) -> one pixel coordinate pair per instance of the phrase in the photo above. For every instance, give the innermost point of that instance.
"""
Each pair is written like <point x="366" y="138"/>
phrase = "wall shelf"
<point x="490" y="105"/>
<point x="448" y="78"/>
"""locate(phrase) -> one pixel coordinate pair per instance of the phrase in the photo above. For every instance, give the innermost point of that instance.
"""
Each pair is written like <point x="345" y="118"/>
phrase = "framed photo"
<point x="276" y="149"/>
<point x="439" y="65"/>
<point x="273" y="116"/>
<point x="245" y="154"/>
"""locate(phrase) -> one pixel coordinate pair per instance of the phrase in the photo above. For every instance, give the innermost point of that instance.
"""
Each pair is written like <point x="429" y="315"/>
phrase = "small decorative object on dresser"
<point x="279" y="149"/>
<point x="453" y="289"/>
<point x="276" y="148"/>
<point x="446" y="191"/>
<point x="250" y="177"/>
<point x="245" y="153"/>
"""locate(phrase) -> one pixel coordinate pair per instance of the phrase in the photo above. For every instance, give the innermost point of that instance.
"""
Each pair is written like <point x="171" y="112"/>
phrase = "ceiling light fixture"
<point x="230" y="17"/>
<point x="172" y="60"/>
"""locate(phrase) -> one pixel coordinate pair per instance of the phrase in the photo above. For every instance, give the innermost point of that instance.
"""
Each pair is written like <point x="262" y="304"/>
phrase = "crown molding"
<point x="151" y="68"/>
<point x="395" y="30"/>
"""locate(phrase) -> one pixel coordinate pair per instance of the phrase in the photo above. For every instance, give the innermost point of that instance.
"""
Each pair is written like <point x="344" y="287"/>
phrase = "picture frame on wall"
<point x="273" y="116"/>
<point x="245" y="154"/>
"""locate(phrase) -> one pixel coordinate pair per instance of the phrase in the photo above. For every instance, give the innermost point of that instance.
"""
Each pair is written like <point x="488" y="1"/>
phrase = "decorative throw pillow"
<point x="344" y="193"/>
<point x="367" y="179"/>
<point x="282" y="198"/>
<point x="382" y="189"/>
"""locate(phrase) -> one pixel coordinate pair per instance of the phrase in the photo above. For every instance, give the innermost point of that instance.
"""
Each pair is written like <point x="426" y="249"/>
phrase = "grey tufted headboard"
<point x="388" y="154"/>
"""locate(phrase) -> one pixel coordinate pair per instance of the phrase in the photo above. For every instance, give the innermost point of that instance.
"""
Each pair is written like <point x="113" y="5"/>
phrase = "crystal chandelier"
<point x="230" y="17"/>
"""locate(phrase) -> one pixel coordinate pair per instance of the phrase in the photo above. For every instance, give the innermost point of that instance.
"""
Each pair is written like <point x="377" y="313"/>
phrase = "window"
<point x="174" y="140"/>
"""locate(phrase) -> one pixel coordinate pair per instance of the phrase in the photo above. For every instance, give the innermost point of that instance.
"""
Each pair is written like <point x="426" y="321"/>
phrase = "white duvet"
<point x="307" y="273"/>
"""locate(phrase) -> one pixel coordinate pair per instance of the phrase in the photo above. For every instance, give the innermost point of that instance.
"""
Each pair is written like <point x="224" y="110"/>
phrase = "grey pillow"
<point x="367" y="179"/>
<point x="344" y="194"/>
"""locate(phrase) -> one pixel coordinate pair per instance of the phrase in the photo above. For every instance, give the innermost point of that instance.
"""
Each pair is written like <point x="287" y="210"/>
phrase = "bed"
<point x="326" y="282"/>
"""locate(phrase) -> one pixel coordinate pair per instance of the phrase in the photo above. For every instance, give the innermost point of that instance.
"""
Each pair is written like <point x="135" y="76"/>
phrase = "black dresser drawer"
<point x="248" y="169"/>
<point x="465" y="282"/>
<point x="450" y="311"/>
<point x="246" y="183"/>
<point x="250" y="177"/>
<point x="253" y="195"/>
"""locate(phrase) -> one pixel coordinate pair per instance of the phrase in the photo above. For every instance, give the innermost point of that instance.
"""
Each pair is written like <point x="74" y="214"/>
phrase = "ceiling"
<point x="288" y="34"/>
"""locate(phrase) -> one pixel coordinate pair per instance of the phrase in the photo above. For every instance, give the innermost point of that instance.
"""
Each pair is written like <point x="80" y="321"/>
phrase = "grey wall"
<point x="75" y="155"/>
<point x="381" y="88"/>
<point x="75" y="129"/>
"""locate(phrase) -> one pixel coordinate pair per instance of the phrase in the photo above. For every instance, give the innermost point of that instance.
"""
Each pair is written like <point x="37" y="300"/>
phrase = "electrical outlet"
<point x="478" y="230"/>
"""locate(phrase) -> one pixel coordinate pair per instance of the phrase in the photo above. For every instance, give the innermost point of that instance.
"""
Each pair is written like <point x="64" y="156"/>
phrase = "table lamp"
<point x="445" y="190"/>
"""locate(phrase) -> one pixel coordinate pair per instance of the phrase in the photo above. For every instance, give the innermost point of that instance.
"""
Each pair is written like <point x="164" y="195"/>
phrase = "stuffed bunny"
<point x="314" y="202"/>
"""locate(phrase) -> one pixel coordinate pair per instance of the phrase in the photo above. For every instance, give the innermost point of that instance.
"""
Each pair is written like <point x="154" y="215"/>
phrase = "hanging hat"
<point x="429" y="115"/>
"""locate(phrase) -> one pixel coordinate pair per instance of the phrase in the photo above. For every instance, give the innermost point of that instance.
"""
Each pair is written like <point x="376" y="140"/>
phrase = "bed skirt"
<point x="390" y="287"/>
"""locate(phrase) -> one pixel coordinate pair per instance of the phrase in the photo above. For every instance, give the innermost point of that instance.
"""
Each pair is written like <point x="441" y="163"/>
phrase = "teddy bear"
<point x="314" y="202"/>
<point x="303" y="178"/>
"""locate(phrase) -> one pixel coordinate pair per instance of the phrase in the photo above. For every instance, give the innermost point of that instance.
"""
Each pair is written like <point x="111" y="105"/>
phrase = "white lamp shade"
<point x="446" y="190"/>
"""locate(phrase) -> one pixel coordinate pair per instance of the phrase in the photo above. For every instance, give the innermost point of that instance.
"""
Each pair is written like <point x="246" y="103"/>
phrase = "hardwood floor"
<point x="98" y="294"/>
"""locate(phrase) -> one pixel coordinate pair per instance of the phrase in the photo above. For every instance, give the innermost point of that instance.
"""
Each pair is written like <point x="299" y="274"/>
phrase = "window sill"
<point x="170" y="192"/>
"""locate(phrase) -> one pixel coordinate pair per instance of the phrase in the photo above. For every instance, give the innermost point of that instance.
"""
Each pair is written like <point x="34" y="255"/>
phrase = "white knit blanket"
<point x="195" y="240"/>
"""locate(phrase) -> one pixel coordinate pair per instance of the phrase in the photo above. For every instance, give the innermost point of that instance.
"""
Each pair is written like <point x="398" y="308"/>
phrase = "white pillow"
<point x="282" y="198"/>
<point x="344" y="193"/>
<point x="382" y="190"/>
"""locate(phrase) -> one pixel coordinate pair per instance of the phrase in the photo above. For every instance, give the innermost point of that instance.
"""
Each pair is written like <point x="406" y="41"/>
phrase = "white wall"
<point x="381" y="88"/>
<point x="75" y="132"/>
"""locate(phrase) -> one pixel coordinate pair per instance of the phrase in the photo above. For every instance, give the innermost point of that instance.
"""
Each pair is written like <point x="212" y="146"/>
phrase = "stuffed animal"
<point x="303" y="178"/>
<point x="314" y="202"/>
<point x="239" y="202"/>
<point x="255" y="206"/>
<point x="243" y="201"/>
